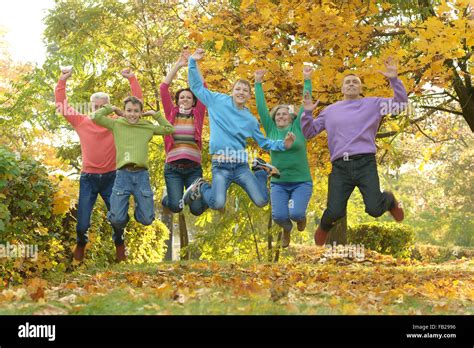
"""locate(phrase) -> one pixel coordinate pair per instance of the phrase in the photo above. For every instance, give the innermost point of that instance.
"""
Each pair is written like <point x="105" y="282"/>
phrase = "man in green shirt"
<point x="131" y="136"/>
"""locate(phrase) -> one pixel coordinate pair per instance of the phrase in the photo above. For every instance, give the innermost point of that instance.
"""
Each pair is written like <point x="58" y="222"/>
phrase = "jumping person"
<point x="183" y="148"/>
<point x="231" y="123"/>
<point x="98" y="159"/>
<point x="351" y="126"/>
<point x="131" y="135"/>
<point x="291" y="192"/>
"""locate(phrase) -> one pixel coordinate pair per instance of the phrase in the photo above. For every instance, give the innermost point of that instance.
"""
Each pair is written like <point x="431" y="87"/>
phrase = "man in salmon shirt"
<point x="98" y="160"/>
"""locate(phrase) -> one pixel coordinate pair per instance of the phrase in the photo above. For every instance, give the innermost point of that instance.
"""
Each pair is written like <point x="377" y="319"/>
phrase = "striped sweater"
<point x="184" y="146"/>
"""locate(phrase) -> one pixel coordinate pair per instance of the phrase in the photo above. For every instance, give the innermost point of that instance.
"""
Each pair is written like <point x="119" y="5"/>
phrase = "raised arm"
<point x="165" y="94"/>
<point x="309" y="126"/>
<point x="307" y="87"/>
<point x="164" y="127"/>
<point x="62" y="106"/>
<point x="262" y="107"/>
<point x="100" y="116"/>
<point x="196" y="82"/>
<point x="134" y="84"/>
<point x="400" y="98"/>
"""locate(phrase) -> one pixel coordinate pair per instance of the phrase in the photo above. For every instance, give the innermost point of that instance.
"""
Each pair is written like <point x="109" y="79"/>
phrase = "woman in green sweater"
<point x="290" y="193"/>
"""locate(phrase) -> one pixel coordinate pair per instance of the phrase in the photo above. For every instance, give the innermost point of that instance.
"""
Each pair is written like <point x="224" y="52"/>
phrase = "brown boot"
<point x="397" y="211"/>
<point x="285" y="239"/>
<point x="120" y="253"/>
<point x="79" y="252"/>
<point x="301" y="225"/>
<point x="320" y="236"/>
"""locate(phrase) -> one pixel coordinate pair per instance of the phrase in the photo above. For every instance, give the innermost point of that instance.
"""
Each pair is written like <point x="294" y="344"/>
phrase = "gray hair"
<point x="100" y="95"/>
<point x="282" y="106"/>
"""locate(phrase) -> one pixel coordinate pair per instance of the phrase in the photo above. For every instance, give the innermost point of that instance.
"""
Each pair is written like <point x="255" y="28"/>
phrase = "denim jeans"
<point x="176" y="180"/>
<point x="289" y="202"/>
<point x="136" y="183"/>
<point x="91" y="185"/>
<point x="225" y="173"/>
<point x="347" y="175"/>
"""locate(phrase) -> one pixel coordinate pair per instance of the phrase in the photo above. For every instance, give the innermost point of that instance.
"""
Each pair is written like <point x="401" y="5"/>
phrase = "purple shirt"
<point x="352" y="125"/>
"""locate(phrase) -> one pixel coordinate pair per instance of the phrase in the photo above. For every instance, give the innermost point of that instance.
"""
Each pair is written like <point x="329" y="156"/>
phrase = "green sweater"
<point x="131" y="140"/>
<point x="293" y="163"/>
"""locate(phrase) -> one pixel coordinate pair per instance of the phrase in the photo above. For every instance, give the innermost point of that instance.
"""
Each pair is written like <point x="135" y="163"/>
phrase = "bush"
<point x="384" y="237"/>
<point x="438" y="254"/>
<point x="26" y="218"/>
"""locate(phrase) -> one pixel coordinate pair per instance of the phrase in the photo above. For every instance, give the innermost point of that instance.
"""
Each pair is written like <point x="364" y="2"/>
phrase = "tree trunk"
<point x="183" y="237"/>
<point x="270" y="239"/>
<point x="277" y="250"/>
<point x="338" y="233"/>
<point x="167" y="219"/>
<point x="466" y="97"/>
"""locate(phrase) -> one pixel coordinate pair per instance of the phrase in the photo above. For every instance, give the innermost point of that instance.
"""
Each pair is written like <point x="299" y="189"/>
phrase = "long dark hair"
<point x="176" y="96"/>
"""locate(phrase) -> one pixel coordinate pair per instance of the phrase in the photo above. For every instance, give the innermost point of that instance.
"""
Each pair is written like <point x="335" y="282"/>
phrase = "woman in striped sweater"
<point x="183" y="148"/>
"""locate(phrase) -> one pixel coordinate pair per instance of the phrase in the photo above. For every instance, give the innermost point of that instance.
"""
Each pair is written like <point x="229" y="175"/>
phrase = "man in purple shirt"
<point x="351" y="125"/>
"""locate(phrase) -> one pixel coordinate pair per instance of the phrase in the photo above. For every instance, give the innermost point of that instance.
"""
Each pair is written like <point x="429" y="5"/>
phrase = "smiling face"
<point x="132" y="112"/>
<point x="351" y="87"/>
<point x="185" y="100"/>
<point x="283" y="118"/>
<point x="241" y="93"/>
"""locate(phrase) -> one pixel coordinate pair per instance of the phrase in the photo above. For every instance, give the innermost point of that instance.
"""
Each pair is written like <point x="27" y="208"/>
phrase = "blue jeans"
<point x="225" y="173"/>
<point x="136" y="183"/>
<point x="91" y="185"/>
<point x="289" y="202"/>
<point x="176" y="180"/>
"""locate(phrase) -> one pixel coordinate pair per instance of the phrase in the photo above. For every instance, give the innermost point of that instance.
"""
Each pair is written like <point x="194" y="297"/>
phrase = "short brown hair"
<point x="133" y="100"/>
<point x="244" y="82"/>
<point x="352" y="74"/>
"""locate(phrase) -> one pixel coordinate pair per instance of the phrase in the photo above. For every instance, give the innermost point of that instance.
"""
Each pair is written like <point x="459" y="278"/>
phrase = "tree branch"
<point x="437" y="108"/>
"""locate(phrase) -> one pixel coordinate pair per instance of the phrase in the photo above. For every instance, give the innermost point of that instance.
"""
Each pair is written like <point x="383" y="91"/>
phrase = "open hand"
<point x="390" y="67"/>
<point x="183" y="58"/>
<point x="198" y="54"/>
<point x="289" y="140"/>
<point x="308" y="103"/>
<point x="307" y="72"/>
<point x="259" y="75"/>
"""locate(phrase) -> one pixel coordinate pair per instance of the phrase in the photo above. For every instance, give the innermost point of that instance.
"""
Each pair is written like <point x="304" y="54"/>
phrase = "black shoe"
<point x="285" y="240"/>
<point x="259" y="163"/>
<point x="193" y="192"/>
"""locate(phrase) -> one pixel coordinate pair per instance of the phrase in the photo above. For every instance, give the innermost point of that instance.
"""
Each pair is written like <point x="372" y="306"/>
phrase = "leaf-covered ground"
<point x="308" y="284"/>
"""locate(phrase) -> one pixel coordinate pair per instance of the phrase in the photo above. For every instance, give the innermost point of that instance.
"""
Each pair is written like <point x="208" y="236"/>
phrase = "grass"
<point x="381" y="285"/>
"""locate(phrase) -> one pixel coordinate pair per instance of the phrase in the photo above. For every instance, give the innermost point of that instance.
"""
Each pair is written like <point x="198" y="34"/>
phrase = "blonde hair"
<point x="244" y="82"/>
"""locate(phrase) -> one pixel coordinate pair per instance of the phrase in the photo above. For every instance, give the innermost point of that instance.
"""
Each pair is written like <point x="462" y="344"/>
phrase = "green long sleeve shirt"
<point x="293" y="163"/>
<point x="131" y="140"/>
